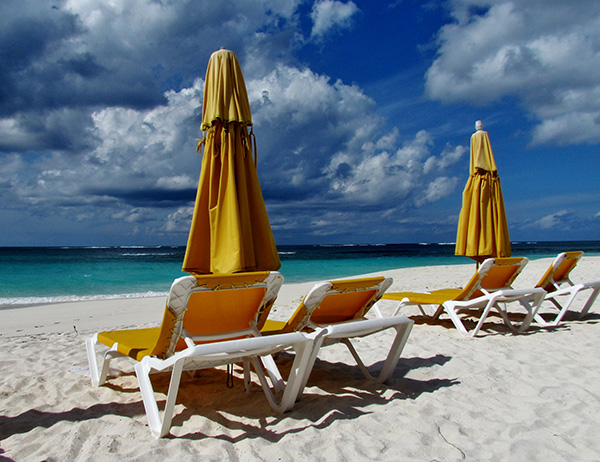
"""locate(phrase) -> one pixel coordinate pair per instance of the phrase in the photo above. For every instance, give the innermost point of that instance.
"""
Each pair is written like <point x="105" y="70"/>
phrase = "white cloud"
<point x="90" y="53"/>
<point x="439" y="188"/>
<point x="331" y="14"/>
<point x="372" y="176"/>
<point x="177" y="182"/>
<point x="133" y="215"/>
<point x="558" y="219"/>
<point x="325" y="150"/>
<point x="179" y="220"/>
<point x="141" y="159"/>
<point x="569" y="128"/>
<point x="543" y="53"/>
<point x="449" y="156"/>
<point x="298" y="135"/>
<point x="91" y="134"/>
<point x="147" y="146"/>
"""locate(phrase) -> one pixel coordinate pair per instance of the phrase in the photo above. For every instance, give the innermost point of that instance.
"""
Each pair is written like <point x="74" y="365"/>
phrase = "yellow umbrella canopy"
<point x="482" y="227"/>
<point x="230" y="229"/>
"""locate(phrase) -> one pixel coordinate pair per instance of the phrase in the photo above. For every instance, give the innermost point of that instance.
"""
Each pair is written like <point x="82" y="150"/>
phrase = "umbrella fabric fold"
<point x="230" y="229"/>
<point x="225" y="97"/>
<point x="482" y="226"/>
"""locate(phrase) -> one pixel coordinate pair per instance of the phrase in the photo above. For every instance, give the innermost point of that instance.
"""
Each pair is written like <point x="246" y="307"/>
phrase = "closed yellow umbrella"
<point x="230" y="229"/>
<point x="482" y="227"/>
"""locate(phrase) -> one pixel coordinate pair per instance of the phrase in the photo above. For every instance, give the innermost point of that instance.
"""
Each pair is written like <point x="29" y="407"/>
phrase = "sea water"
<point x="54" y="274"/>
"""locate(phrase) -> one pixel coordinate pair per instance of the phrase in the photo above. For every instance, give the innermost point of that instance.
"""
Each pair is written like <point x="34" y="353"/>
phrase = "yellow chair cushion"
<point x="435" y="297"/>
<point x="135" y="343"/>
<point x="222" y="311"/>
<point x="348" y="299"/>
<point x="341" y="307"/>
<point x="273" y="327"/>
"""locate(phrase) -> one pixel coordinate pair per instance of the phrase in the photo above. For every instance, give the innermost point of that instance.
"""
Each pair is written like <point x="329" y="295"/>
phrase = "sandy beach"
<point x="533" y="396"/>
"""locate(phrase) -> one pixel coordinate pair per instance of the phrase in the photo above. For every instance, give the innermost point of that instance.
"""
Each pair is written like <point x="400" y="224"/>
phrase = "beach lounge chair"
<point x="208" y="321"/>
<point x="336" y="311"/>
<point x="557" y="284"/>
<point x="490" y="287"/>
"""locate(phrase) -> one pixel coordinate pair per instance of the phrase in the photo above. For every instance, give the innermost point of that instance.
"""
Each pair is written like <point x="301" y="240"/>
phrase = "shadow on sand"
<point x="335" y="391"/>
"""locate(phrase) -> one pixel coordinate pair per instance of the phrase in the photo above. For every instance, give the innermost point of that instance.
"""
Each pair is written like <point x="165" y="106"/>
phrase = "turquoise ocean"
<point x="55" y="274"/>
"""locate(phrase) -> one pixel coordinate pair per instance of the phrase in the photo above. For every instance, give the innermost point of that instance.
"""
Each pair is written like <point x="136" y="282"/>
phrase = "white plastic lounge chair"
<point x="209" y="321"/>
<point x="490" y="287"/>
<point x="336" y="311"/>
<point x="557" y="284"/>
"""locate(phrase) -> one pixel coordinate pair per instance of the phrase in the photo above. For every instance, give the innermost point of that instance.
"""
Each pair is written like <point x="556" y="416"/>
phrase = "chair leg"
<point x="591" y="300"/>
<point x="90" y="346"/>
<point x="171" y="397"/>
<point x="98" y="376"/>
<point x="361" y="365"/>
<point x="530" y="300"/>
<point x="531" y="311"/>
<point x="402" y="333"/>
<point x="273" y="372"/>
<point x="526" y="321"/>
<point x="450" y="310"/>
<point x="344" y="332"/>
<point x="318" y="338"/>
<point x="159" y="427"/>
<point x="439" y="310"/>
<point x="483" y="317"/>
<point x="563" y="309"/>
<point x="299" y="372"/>
<point x="375" y="309"/>
<point x="301" y="368"/>
<point x="247" y="381"/>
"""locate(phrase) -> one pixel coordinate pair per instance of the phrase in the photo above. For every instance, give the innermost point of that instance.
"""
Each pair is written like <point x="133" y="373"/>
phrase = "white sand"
<point x="534" y="396"/>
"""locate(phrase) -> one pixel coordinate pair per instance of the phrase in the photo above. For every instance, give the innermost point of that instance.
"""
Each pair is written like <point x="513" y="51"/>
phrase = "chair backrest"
<point x="558" y="273"/>
<point x="337" y="301"/>
<point x="216" y="307"/>
<point x="493" y="274"/>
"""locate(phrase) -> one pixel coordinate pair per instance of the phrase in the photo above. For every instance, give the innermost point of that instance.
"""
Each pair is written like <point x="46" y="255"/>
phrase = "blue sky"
<point x="363" y="111"/>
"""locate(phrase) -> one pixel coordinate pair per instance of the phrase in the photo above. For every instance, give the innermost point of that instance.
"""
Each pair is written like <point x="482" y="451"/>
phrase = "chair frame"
<point x="358" y="326"/>
<point x="530" y="299"/>
<point x="218" y="354"/>
<point x="557" y="283"/>
<point x="222" y="349"/>
<point x="484" y="292"/>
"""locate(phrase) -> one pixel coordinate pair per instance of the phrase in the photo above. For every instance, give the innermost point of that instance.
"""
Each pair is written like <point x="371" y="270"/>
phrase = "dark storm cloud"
<point x="147" y="197"/>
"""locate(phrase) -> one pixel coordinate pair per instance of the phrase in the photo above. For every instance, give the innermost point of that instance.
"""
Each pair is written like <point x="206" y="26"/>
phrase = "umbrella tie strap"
<point x="201" y="142"/>
<point x="224" y="134"/>
<point x="229" y="376"/>
<point x="253" y="137"/>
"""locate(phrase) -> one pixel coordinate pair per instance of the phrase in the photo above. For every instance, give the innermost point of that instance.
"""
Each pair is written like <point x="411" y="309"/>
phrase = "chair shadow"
<point x="326" y="376"/>
<point x="346" y="396"/>
<point x="571" y="316"/>
<point x="492" y="328"/>
<point x="4" y="458"/>
<point x="32" y="418"/>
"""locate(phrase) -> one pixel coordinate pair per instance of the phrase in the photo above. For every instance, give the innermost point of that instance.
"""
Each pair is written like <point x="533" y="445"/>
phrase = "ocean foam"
<point x="11" y="302"/>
